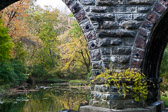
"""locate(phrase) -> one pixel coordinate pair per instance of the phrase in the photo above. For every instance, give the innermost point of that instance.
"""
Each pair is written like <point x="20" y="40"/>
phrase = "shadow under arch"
<point x="154" y="52"/>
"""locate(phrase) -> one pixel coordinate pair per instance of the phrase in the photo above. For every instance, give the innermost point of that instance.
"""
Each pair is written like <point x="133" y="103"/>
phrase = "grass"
<point x="164" y="97"/>
<point x="78" y="82"/>
<point x="56" y="80"/>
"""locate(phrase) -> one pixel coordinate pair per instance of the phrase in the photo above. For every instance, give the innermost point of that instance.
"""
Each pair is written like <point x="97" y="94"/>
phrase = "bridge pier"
<point x="155" y="107"/>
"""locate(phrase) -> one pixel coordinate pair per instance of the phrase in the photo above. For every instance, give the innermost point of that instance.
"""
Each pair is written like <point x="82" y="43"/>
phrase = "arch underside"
<point x="147" y="56"/>
<point x="5" y="3"/>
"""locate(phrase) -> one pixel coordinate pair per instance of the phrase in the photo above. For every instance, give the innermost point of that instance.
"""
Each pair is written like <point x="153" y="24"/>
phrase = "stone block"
<point x="117" y="33"/>
<point x="110" y="41"/>
<point x="153" y="17"/>
<point x="121" y="50"/>
<point x="128" y="41"/>
<point x="120" y="58"/>
<point x="130" y="24"/>
<point x="96" y="65"/>
<point x="98" y="9"/>
<point x="140" y="42"/>
<point x="164" y="2"/>
<point x="139" y="16"/>
<point x="147" y="25"/>
<point x="143" y="9"/>
<point x="108" y="2"/>
<point x="122" y="17"/>
<point x="101" y="16"/>
<point x="87" y="2"/>
<point x="91" y="35"/>
<point x="95" y="55"/>
<point x="140" y="2"/>
<point x="138" y="53"/>
<point x="106" y="51"/>
<point x="143" y="32"/>
<point x="93" y="44"/>
<point x="110" y="25"/>
<point x="86" y="27"/>
<point x="81" y="16"/>
<point x="159" y="8"/>
<point x="136" y="63"/>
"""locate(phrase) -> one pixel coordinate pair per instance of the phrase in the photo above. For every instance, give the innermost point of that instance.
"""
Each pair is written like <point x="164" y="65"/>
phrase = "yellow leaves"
<point x="121" y="79"/>
<point x="73" y="50"/>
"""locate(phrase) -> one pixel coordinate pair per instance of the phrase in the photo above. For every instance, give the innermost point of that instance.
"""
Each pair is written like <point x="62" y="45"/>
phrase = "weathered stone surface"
<point x="143" y="9"/>
<point x="145" y="2"/>
<point x="91" y="35"/>
<point x="136" y="63"/>
<point x="128" y="42"/>
<point x="130" y="24"/>
<point x="164" y="2"/>
<point x="98" y="9"/>
<point x="120" y="58"/>
<point x="159" y="8"/>
<point x="110" y="25"/>
<point x="152" y="108"/>
<point x="108" y="2"/>
<point x="140" y="42"/>
<point x="96" y="65"/>
<point x="138" y="53"/>
<point x="106" y="58"/>
<point x="153" y="17"/>
<point x="93" y="44"/>
<point x="117" y="33"/>
<point x="87" y="2"/>
<point x="147" y="25"/>
<point x="139" y="17"/>
<point x="121" y="17"/>
<point x="106" y="51"/>
<point x="101" y="16"/>
<point x="121" y="50"/>
<point x="95" y="55"/>
<point x="109" y="41"/>
<point x="125" y="9"/>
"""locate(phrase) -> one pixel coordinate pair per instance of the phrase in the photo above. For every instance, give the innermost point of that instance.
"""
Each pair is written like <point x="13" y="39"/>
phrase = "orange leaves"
<point x="13" y="17"/>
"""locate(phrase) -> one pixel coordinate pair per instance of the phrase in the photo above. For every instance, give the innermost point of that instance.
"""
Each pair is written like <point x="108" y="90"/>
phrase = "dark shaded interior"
<point x="5" y="3"/>
<point x="153" y="54"/>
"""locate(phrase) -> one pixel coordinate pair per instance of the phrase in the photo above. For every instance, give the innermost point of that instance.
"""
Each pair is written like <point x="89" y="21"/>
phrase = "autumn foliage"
<point x="41" y="44"/>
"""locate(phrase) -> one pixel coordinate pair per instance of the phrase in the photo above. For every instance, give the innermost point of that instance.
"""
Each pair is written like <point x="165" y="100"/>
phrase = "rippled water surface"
<point x="49" y="98"/>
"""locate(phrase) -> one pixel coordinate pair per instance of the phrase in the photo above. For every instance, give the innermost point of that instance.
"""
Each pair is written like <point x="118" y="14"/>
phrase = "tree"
<point x="74" y="52"/>
<point x="6" y="43"/>
<point x="13" y="17"/>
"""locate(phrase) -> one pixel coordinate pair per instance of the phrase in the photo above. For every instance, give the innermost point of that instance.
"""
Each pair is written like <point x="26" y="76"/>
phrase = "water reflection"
<point x="45" y="100"/>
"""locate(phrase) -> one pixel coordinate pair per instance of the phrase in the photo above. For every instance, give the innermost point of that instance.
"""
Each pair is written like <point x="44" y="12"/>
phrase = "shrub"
<point x="125" y="79"/>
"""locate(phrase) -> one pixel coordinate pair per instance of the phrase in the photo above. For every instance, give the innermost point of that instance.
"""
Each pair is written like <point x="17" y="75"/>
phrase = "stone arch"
<point x="145" y="33"/>
<point x="149" y="46"/>
<point x="87" y="27"/>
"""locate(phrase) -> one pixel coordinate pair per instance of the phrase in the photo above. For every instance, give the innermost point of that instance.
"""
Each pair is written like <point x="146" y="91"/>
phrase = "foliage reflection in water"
<point x="46" y="100"/>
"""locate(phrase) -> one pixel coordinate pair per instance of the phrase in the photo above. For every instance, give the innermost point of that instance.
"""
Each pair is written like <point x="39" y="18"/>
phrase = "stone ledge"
<point x="153" y="108"/>
<point x="100" y="109"/>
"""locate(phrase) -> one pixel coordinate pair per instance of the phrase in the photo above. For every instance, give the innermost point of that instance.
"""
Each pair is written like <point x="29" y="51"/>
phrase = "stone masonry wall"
<point x="116" y="23"/>
<point x="110" y="28"/>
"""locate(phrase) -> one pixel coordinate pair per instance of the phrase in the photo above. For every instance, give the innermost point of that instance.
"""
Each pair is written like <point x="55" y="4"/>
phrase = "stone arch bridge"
<point x="130" y="33"/>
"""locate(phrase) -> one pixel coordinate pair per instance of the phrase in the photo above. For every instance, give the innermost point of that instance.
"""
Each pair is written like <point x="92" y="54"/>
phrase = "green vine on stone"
<point x="127" y="81"/>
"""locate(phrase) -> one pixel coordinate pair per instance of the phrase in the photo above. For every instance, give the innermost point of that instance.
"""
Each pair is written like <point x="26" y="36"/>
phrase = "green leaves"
<point x="6" y="43"/>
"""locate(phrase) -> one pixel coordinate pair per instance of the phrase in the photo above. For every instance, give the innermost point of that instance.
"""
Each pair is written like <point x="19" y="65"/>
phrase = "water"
<point x="49" y="98"/>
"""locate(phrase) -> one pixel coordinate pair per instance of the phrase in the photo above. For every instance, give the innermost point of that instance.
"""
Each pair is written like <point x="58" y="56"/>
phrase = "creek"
<point x="48" y="98"/>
